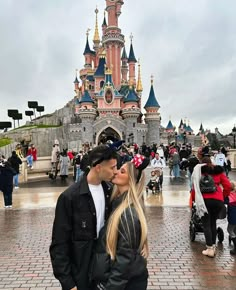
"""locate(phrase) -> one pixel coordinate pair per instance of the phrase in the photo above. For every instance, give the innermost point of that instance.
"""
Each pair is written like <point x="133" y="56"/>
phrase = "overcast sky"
<point x="188" y="45"/>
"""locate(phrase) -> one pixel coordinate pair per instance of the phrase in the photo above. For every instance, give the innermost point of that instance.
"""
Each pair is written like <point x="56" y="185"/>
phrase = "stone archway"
<point x="108" y="134"/>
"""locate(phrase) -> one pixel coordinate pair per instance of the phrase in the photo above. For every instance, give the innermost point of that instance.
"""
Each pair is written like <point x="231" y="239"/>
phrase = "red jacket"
<point x="223" y="186"/>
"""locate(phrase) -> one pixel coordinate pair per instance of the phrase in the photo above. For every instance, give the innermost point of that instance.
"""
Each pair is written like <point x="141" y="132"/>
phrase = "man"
<point x="157" y="164"/>
<point x="220" y="159"/>
<point x="81" y="212"/>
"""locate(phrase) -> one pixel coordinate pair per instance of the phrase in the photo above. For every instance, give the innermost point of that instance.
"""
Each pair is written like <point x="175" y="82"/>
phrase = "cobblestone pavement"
<point x="174" y="263"/>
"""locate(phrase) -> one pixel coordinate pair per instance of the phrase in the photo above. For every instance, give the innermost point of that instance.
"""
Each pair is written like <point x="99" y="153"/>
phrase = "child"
<point x="153" y="183"/>
<point x="231" y="201"/>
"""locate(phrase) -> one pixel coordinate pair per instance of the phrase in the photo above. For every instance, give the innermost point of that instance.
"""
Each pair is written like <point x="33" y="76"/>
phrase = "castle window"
<point x="101" y="84"/>
<point x="84" y="129"/>
<point x="133" y="125"/>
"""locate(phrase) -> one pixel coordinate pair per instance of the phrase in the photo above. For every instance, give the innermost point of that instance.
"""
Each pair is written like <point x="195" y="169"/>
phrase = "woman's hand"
<point x="145" y="250"/>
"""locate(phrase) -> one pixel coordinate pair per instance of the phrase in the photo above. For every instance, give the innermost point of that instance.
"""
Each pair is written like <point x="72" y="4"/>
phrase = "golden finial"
<point x="139" y="83"/>
<point x="96" y="37"/>
<point x="152" y="79"/>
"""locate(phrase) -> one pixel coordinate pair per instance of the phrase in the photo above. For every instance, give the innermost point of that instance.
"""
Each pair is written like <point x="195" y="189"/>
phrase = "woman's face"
<point x="122" y="177"/>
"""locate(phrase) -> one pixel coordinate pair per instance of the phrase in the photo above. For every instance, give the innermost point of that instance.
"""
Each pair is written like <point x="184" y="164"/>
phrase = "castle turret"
<point x="87" y="114"/>
<point x="124" y="67"/>
<point x="88" y="53"/>
<point x="152" y="118"/>
<point x="131" y="113"/>
<point x="113" y="40"/>
<point x="104" y="24"/>
<point x="76" y="82"/>
<point x="131" y="61"/>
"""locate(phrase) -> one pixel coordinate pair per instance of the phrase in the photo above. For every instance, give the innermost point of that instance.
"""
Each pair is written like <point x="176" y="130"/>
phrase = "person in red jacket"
<point x="209" y="205"/>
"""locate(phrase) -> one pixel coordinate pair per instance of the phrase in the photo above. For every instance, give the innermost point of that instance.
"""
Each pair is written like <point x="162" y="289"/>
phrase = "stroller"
<point x="195" y="226"/>
<point x="154" y="182"/>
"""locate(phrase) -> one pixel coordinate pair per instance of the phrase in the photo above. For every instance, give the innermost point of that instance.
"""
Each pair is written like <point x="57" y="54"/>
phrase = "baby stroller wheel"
<point x="220" y="234"/>
<point x="192" y="231"/>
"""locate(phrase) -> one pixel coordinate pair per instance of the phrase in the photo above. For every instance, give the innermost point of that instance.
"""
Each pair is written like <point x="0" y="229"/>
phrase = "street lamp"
<point x="184" y="134"/>
<point x="234" y="134"/>
<point x="176" y="136"/>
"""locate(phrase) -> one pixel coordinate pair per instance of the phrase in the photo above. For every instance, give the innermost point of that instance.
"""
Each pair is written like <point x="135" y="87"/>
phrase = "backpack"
<point x="207" y="184"/>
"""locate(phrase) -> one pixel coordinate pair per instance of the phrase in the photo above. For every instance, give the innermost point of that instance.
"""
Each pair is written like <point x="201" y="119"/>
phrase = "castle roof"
<point x="86" y="98"/>
<point x="131" y="54"/>
<point x="87" y="49"/>
<point x="188" y="129"/>
<point x="181" y="123"/>
<point x="152" y="101"/>
<point x="76" y="80"/>
<point x="100" y="71"/>
<point x="90" y="78"/>
<point x="131" y="96"/>
<point x="169" y="125"/>
<point x="124" y="54"/>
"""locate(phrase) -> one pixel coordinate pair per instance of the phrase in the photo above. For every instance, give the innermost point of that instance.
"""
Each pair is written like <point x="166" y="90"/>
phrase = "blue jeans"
<point x="79" y="173"/>
<point x="29" y="159"/>
<point x="16" y="179"/>
<point x="176" y="170"/>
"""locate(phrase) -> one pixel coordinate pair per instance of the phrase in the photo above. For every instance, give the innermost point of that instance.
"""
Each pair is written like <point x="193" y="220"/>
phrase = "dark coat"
<point x="74" y="234"/>
<point x="6" y="178"/>
<point x="15" y="162"/>
<point x="128" y="263"/>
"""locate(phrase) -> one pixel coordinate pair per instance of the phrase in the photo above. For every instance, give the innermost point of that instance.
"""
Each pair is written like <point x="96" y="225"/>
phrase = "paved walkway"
<point x="174" y="262"/>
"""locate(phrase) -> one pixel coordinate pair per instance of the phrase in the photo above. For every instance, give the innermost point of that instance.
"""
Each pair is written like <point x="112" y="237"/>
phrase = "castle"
<point x="107" y="104"/>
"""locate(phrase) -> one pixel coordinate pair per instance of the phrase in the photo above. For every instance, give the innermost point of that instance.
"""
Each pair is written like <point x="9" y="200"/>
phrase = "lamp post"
<point x="176" y="135"/>
<point x="234" y="134"/>
<point x="184" y="134"/>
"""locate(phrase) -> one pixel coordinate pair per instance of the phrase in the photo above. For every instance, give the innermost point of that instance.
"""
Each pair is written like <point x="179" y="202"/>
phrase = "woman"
<point x="209" y="205"/>
<point x="119" y="261"/>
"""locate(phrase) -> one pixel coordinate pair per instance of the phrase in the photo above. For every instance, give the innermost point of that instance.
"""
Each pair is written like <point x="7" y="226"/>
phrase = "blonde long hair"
<point x="134" y="197"/>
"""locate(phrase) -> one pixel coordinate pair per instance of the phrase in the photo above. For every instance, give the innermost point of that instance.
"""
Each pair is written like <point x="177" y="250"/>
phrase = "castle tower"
<point x="104" y="24"/>
<point x="113" y="40"/>
<point x="131" y="61"/>
<point x="152" y="118"/>
<point x="131" y="113"/>
<point x="87" y="114"/>
<point x="124" y="67"/>
<point x="88" y="53"/>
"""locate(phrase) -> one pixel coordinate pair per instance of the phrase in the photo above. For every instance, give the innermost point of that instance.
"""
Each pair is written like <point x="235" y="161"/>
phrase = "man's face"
<point x="157" y="156"/>
<point x="107" y="169"/>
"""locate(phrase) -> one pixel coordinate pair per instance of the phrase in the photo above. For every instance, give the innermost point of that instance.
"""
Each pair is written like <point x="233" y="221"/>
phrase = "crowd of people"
<point x="100" y="236"/>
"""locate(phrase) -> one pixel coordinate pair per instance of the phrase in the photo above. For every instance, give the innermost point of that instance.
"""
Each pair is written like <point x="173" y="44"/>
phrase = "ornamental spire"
<point x="96" y="38"/>
<point x="139" y="83"/>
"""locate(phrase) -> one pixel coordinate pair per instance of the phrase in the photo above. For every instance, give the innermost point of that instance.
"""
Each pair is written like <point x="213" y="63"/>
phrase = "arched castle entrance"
<point x="108" y="134"/>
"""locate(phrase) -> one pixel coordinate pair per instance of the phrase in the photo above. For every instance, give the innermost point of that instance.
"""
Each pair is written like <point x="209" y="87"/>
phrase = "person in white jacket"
<point x="220" y="159"/>
<point x="157" y="164"/>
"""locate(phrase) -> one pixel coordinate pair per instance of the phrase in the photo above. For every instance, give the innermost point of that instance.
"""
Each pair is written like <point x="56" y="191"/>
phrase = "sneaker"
<point x="9" y="206"/>
<point x="16" y="187"/>
<point x="210" y="252"/>
<point x="31" y="167"/>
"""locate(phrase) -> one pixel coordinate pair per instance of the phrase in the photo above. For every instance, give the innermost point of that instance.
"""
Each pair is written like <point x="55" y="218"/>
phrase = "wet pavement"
<point x="174" y="263"/>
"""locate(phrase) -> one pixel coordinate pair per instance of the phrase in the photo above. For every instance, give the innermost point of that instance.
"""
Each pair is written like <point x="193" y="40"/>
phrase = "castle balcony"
<point x="151" y="116"/>
<point x="115" y="37"/>
<point x="131" y="112"/>
<point x="87" y="113"/>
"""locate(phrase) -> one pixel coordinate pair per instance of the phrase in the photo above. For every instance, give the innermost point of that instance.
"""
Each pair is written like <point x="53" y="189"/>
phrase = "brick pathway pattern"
<point x="174" y="262"/>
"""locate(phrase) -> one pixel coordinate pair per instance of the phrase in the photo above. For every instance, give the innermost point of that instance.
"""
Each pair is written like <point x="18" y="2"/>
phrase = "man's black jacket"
<point x="74" y="234"/>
